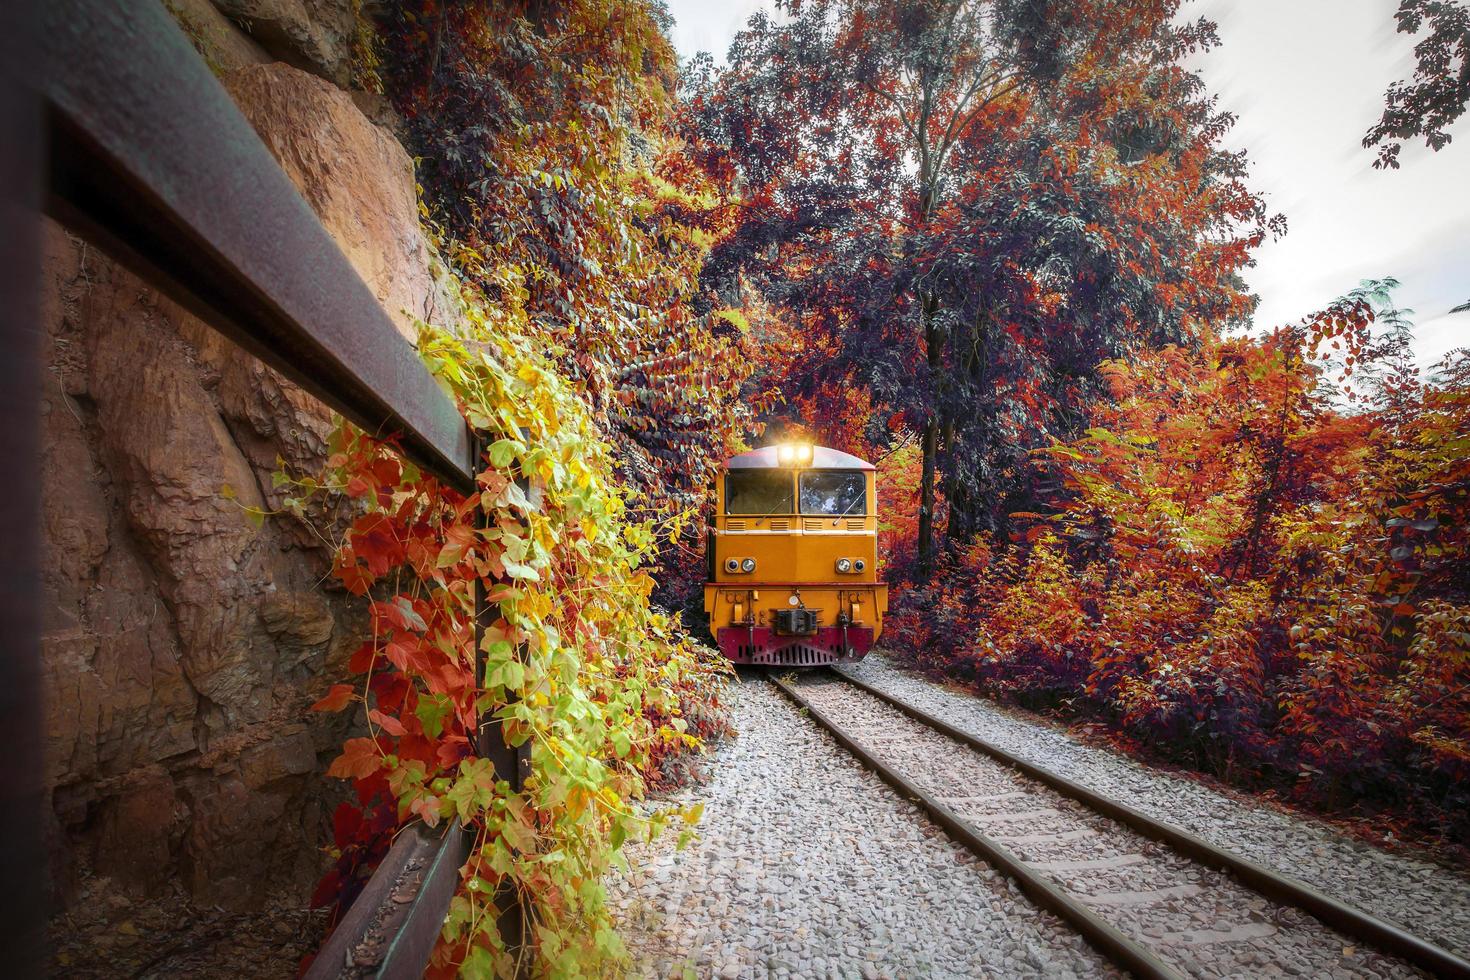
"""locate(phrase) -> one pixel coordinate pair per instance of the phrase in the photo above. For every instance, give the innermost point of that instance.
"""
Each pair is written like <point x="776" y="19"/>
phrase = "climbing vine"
<point x="604" y="387"/>
<point x="577" y="664"/>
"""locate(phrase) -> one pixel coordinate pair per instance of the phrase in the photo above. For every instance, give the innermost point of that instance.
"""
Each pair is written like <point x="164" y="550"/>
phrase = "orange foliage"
<point x="1258" y="557"/>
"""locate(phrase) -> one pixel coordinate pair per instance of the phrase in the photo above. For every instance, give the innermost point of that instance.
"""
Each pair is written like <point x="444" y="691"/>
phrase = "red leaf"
<point x="400" y="653"/>
<point x="362" y="659"/>
<point x="352" y="575"/>
<point x="337" y="698"/>
<point x="327" y="889"/>
<point x="359" y="759"/>
<point x="346" y="822"/>
<point x="388" y="723"/>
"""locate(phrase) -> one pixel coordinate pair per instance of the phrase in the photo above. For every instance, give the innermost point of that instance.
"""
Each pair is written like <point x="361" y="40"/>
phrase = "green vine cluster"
<point x="577" y="663"/>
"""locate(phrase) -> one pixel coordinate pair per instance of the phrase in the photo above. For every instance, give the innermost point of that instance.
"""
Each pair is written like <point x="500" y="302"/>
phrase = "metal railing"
<point x="113" y="125"/>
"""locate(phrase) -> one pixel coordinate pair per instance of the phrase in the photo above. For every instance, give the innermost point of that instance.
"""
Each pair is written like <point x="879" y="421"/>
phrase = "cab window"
<point x="834" y="492"/>
<point x="758" y="492"/>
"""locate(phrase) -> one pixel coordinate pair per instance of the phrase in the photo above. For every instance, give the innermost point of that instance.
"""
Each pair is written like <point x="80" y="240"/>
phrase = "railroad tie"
<point x="1019" y="815"/>
<point x="1060" y="837"/>
<point x="1095" y="864"/>
<point x="1117" y="899"/>
<point x="992" y="798"/>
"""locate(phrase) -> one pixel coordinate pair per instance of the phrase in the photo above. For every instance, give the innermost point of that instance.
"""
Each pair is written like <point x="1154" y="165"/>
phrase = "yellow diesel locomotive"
<point x="792" y="554"/>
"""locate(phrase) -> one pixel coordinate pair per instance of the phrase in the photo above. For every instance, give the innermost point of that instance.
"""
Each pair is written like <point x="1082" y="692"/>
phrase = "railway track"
<point x="1156" y="900"/>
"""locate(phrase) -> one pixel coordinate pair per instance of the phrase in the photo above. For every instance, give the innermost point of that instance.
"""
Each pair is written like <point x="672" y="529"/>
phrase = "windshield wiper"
<point x="770" y="512"/>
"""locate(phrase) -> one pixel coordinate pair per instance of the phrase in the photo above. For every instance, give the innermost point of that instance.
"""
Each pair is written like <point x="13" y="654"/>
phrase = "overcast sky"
<point x="1306" y="78"/>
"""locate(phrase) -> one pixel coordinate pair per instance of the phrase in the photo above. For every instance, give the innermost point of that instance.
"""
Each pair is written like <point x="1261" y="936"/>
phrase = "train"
<point x="792" y="554"/>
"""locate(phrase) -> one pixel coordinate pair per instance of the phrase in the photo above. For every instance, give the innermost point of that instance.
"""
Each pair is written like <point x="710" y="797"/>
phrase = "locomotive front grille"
<point x="797" y="655"/>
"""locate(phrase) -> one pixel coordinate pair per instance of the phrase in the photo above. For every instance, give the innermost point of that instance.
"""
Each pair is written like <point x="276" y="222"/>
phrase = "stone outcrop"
<point x="358" y="179"/>
<point x="183" y="645"/>
<point x="313" y="35"/>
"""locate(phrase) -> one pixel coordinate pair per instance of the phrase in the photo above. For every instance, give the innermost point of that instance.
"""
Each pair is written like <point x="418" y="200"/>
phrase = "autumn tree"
<point x="1254" y="559"/>
<point x="1428" y="104"/>
<point x="546" y="150"/>
<point x="963" y="206"/>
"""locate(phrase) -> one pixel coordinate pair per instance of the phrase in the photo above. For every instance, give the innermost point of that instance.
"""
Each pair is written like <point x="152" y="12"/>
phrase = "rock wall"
<point x="183" y="645"/>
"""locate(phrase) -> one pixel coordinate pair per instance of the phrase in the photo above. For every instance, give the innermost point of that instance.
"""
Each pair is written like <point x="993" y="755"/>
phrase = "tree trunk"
<point x="933" y="343"/>
<point x="926" y="500"/>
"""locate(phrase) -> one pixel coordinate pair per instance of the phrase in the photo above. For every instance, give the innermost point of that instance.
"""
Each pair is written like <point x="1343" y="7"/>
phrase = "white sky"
<point x="1306" y="79"/>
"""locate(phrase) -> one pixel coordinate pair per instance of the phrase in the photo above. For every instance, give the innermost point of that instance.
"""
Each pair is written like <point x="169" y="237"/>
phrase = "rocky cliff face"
<point x="183" y="645"/>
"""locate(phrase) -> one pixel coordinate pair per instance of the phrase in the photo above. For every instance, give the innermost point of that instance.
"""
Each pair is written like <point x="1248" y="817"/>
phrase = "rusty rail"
<point x="139" y="148"/>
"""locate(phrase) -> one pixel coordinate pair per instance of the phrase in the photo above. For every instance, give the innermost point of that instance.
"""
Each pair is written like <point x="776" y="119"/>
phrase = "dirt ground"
<point x="107" y="935"/>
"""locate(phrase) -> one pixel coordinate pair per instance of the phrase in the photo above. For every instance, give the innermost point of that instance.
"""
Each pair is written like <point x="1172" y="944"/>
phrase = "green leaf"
<point x="503" y="451"/>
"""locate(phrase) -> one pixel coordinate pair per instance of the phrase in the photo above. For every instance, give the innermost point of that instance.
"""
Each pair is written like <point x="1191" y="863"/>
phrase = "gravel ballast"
<point x="1413" y="892"/>
<point x="808" y="866"/>
<point x="1198" y="921"/>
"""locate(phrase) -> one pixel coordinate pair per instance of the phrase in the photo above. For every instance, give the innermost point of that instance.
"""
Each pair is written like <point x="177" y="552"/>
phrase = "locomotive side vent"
<point x="855" y="523"/>
<point x="780" y="524"/>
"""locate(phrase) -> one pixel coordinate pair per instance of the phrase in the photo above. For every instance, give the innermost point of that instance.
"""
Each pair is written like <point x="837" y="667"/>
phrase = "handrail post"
<point x="22" y="914"/>
<point x="511" y="763"/>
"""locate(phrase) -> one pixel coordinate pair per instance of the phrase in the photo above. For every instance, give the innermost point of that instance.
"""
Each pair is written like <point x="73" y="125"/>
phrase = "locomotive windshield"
<point x="758" y="492"/>
<point x="834" y="492"/>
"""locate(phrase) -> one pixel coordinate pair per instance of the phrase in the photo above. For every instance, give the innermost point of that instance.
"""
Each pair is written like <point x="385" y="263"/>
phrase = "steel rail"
<point x="1099" y="933"/>
<point x="1360" y="925"/>
<point x="151" y="160"/>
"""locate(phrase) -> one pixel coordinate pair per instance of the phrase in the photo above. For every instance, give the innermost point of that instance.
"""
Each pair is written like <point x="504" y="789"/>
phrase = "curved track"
<point x="1156" y="900"/>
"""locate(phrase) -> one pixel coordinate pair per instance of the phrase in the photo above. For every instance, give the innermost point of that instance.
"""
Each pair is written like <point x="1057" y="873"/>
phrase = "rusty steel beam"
<point x="151" y="160"/>
<point x="389" y="932"/>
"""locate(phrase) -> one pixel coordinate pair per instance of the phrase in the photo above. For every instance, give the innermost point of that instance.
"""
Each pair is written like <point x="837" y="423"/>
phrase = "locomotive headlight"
<point x="748" y="565"/>
<point x="732" y="564"/>
<point x="794" y="454"/>
<point x="844" y="565"/>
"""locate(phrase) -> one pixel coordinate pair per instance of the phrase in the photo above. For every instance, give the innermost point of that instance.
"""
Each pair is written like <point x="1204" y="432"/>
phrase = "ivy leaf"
<point x="337" y="698"/>
<point x="360" y="758"/>
<point x="431" y="711"/>
<point x="503" y="451"/>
